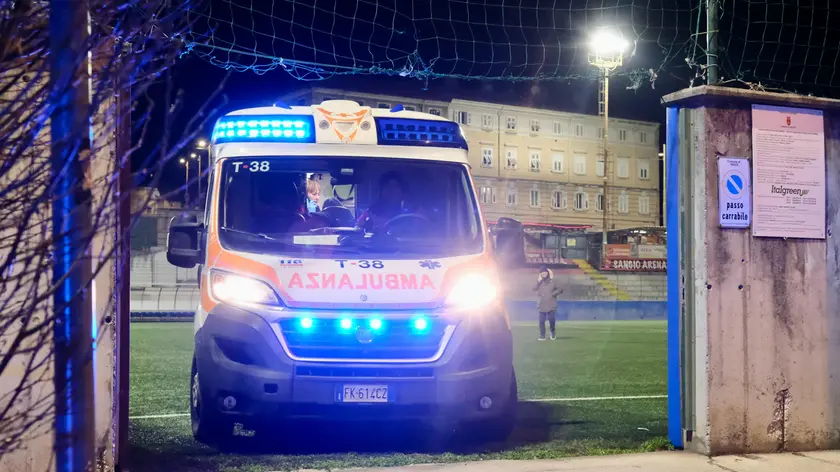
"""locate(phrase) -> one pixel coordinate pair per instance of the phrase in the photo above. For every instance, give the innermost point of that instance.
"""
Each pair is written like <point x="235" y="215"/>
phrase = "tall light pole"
<point x="201" y="145"/>
<point x="607" y="54"/>
<point x="197" y="157"/>
<point x="186" y="164"/>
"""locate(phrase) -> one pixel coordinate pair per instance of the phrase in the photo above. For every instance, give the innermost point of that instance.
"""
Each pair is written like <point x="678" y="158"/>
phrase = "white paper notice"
<point x="788" y="172"/>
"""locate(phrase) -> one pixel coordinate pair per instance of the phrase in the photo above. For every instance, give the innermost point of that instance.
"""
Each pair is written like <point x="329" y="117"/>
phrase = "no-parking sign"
<point x="734" y="192"/>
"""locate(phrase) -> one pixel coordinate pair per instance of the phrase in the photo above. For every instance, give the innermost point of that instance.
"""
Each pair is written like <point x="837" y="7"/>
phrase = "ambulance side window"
<point x="466" y="205"/>
<point x="208" y="200"/>
<point x="207" y="210"/>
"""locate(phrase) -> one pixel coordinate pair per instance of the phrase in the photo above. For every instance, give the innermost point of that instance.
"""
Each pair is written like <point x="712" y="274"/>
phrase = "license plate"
<point x="364" y="394"/>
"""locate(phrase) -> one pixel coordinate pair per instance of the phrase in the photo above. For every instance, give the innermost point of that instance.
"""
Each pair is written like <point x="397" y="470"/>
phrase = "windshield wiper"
<point x="379" y="241"/>
<point x="248" y="233"/>
<point x="340" y="230"/>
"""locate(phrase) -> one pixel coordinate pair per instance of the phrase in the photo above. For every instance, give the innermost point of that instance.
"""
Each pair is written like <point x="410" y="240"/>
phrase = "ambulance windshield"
<point x="319" y="206"/>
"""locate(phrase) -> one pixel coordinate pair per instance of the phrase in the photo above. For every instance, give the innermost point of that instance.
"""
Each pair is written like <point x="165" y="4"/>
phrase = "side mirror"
<point x="183" y="242"/>
<point x="510" y="243"/>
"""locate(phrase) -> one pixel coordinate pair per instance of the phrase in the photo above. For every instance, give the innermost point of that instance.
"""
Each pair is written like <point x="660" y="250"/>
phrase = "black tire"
<point x="208" y="426"/>
<point x="499" y="429"/>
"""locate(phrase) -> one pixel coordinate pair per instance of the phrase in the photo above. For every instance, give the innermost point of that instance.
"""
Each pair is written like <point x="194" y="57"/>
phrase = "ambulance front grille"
<point x="396" y="340"/>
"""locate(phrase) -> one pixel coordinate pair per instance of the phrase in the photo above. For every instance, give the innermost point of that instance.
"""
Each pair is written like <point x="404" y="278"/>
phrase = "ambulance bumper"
<point x="240" y="356"/>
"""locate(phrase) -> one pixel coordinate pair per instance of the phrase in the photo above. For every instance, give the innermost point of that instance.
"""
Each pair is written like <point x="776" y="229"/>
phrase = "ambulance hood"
<point x="361" y="283"/>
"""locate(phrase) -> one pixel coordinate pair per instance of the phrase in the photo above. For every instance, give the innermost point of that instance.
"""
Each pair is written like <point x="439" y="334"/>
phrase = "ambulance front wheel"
<point x="499" y="429"/>
<point x="208" y="426"/>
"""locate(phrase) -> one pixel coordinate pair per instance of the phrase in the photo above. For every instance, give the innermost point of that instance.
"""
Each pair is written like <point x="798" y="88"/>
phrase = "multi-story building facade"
<point x="544" y="166"/>
<point x="548" y="167"/>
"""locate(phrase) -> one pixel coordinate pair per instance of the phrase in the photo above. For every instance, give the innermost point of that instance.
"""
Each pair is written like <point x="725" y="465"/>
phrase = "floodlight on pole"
<point x="201" y="143"/>
<point x="186" y="164"/>
<point x="607" y="43"/>
<point x="607" y="48"/>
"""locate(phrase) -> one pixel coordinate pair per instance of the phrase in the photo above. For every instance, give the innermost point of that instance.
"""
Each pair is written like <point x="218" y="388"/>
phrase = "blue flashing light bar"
<point x="271" y="129"/>
<point x="410" y="132"/>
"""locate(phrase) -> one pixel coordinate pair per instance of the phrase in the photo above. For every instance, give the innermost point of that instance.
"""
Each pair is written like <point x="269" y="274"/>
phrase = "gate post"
<point x="754" y="365"/>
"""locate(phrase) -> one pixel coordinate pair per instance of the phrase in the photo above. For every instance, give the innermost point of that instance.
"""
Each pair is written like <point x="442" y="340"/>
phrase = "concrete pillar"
<point x="758" y="318"/>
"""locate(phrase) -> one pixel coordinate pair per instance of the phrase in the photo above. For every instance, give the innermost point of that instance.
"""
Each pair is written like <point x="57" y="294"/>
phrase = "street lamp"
<point x="201" y="145"/>
<point x="186" y="164"/>
<point x="607" y="49"/>
<point x="197" y="158"/>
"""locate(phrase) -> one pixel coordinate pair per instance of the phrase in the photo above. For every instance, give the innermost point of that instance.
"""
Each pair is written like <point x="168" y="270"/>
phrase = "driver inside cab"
<point x="391" y="203"/>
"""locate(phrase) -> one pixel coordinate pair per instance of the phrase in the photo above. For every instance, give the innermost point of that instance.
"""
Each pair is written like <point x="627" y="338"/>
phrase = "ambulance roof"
<point x="338" y="128"/>
<point x="336" y="105"/>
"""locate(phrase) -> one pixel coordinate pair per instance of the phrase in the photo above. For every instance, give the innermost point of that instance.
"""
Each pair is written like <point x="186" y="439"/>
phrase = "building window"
<point x="644" y="204"/>
<point x="487" y="157"/>
<point x="644" y="169"/>
<point x="488" y="195"/>
<point x="600" y="133"/>
<point x="624" y="202"/>
<point x="434" y="111"/>
<point x="535" y="197"/>
<point x="599" y="202"/>
<point x="535" y="126"/>
<point x="558" y="128"/>
<point x="558" y="162"/>
<point x="486" y="120"/>
<point x="623" y="168"/>
<point x="384" y="105"/>
<point x="461" y="117"/>
<point x="581" y="200"/>
<point x="558" y="200"/>
<point x="580" y="164"/>
<point x="510" y="158"/>
<point x="579" y="130"/>
<point x="622" y="135"/>
<point x="642" y="137"/>
<point x="535" y="161"/>
<point x="511" y="123"/>
<point x="600" y="167"/>
<point x="511" y="196"/>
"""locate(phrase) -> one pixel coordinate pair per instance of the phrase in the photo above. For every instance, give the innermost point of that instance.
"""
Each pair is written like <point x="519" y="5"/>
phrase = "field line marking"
<point x="151" y="417"/>
<point x="535" y="400"/>
<point x="594" y="399"/>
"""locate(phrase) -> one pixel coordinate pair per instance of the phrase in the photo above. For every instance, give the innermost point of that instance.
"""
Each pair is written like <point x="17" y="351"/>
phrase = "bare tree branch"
<point x="133" y="44"/>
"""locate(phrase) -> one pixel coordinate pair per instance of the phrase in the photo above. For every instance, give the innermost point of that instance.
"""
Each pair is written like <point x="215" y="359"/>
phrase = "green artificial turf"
<point x="588" y="360"/>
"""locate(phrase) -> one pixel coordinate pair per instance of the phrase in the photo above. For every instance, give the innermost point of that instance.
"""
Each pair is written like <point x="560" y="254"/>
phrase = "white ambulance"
<point x="377" y="301"/>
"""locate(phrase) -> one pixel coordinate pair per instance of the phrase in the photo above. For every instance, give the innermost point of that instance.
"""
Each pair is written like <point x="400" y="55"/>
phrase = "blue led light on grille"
<point x="420" y="324"/>
<point x="409" y="132"/>
<point x="289" y="129"/>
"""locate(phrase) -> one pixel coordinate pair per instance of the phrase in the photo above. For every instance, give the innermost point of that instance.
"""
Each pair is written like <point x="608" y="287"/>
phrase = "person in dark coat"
<point x="548" y="289"/>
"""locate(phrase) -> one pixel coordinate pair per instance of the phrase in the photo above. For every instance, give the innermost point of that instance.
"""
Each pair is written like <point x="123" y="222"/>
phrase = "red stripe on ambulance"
<point x="324" y="281"/>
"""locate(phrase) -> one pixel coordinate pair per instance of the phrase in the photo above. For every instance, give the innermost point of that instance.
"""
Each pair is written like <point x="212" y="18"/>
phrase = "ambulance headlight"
<point x="473" y="291"/>
<point x="240" y="290"/>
